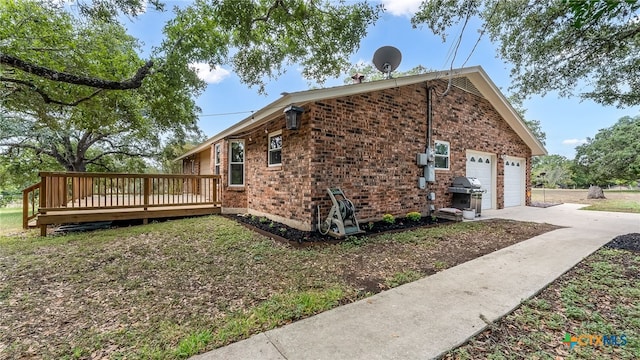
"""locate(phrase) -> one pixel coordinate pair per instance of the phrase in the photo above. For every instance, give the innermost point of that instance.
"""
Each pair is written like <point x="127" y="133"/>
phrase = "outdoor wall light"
<point x="293" y="116"/>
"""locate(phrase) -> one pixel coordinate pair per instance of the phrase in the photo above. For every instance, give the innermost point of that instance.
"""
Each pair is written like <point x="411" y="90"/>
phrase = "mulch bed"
<point x="541" y="204"/>
<point x="629" y="242"/>
<point x="279" y="230"/>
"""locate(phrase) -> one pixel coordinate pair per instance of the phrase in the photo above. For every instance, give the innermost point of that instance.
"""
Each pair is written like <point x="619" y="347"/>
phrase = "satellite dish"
<point x="387" y="59"/>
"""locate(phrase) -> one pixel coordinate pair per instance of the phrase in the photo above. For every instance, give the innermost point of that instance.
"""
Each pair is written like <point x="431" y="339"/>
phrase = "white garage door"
<point x="480" y="166"/>
<point x="513" y="182"/>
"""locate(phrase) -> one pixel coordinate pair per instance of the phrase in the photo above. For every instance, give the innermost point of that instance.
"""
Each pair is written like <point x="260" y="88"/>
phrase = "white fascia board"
<point x="490" y="91"/>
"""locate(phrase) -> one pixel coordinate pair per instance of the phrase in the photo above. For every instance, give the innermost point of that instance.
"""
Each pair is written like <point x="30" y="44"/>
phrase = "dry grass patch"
<point x="174" y="289"/>
<point x="600" y="296"/>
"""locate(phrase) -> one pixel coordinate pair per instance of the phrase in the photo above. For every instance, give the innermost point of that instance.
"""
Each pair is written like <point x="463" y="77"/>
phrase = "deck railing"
<point x="60" y="191"/>
<point x="30" y="201"/>
<point x="85" y="191"/>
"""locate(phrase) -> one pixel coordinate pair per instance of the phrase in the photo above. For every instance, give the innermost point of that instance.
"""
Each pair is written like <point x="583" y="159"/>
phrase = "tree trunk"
<point x="595" y="192"/>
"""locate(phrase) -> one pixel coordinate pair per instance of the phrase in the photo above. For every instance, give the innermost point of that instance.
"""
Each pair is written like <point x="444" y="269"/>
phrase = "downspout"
<point x="429" y="118"/>
<point x="429" y="170"/>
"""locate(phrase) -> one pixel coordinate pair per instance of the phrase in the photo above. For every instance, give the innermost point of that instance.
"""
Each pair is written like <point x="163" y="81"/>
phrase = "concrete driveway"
<point x="428" y="317"/>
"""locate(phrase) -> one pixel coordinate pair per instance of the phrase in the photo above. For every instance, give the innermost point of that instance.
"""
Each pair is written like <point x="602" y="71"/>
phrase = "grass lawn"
<point x="10" y="220"/>
<point x="600" y="296"/>
<point x="616" y="200"/>
<point x="177" y="288"/>
<point x="629" y="206"/>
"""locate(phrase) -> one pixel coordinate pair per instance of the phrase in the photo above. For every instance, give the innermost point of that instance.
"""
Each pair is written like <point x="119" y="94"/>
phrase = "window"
<point x="442" y="155"/>
<point x="236" y="162"/>
<point x="216" y="159"/>
<point x="275" y="148"/>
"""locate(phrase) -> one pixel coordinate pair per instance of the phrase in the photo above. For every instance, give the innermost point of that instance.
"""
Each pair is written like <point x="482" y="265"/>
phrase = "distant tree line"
<point x="611" y="157"/>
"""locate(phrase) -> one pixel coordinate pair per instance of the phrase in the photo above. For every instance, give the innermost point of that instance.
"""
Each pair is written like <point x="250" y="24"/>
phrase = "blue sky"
<point x="567" y="122"/>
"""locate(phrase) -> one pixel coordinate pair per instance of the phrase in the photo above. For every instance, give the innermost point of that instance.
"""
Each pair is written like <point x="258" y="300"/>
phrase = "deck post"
<point x="147" y="191"/>
<point x="63" y="190"/>
<point x="25" y="209"/>
<point x="43" y="202"/>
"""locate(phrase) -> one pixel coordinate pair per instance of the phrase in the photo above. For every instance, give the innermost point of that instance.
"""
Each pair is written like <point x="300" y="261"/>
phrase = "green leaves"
<point x="557" y="170"/>
<point x="59" y="69"/>
<point x="613" y="154"/>
<point x="259" y="39"/>
<point x="97" y="129"/>
<point x="589" y="11"/>
<point x="587" y="48"/>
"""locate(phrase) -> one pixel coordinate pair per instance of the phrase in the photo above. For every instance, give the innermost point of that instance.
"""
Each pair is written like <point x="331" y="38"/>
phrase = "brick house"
<point x="364" y="139"/>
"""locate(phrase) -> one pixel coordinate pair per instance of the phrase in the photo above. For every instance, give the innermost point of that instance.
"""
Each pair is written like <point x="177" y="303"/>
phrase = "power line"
<point x="484" y="28"/>
<point x="455" y="53"/>
<point x="229" y="113"/>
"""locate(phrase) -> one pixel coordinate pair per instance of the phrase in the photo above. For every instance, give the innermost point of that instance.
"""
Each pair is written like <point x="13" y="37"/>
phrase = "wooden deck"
<point x="68" y="198"/>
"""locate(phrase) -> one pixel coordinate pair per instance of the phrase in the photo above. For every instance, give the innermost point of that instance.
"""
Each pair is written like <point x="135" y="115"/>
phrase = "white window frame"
<point x="217" y="161"/>
<point x="269" y="150"/>
<point x="447" y="156"/>
<point x="231" y="162"/>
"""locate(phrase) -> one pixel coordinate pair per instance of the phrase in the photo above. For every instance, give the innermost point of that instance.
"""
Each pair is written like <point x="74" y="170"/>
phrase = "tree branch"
<point x="118" y="152"/>
<point x="47" y="99"/>
<point x="41" y="71"/>
<point x="27" y="146"/>
<point x="45" y="49"/>
<point x="265" y="18"/>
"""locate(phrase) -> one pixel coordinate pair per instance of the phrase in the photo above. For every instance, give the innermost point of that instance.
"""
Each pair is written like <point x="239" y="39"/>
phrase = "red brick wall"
<point x="367" y="144"/>
<point x="280" y="190"/>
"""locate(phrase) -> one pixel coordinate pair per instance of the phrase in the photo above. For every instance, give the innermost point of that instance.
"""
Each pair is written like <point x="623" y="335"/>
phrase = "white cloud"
<point x="401" y="7"/>
<point x="208" y="75"/>
<point x="574" y="141"/>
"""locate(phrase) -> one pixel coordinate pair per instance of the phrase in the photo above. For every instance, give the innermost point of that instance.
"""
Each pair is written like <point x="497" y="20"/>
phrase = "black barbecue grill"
<point x="467" y="193"/>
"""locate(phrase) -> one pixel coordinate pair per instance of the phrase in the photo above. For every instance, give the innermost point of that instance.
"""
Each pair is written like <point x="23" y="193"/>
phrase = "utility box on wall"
<point x="422" y="159"/>
<point x="422" y="183"/>
<point x="430" y="172"/>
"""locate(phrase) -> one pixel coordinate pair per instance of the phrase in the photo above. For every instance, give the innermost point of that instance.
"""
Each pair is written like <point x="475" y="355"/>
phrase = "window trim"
<point x="217" y="158"/>
<point x="448" y="156"/>
<point x="275" y="133"/>
<point x="231" y="162"/>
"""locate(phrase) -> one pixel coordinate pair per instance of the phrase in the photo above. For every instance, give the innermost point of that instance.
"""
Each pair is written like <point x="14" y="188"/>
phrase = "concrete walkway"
<point x="426" y="318"/>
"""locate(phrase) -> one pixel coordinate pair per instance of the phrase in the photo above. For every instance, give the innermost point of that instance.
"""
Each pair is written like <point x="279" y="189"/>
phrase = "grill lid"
<point x="466" y="182"/>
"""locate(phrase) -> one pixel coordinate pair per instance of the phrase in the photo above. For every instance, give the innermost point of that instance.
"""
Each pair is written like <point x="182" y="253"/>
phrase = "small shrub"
<point x="264" y="220"/>
<point x="403" y="277"/>
<point x="272" y="225"/>
<point x="414" y="216"/>
<point x="388" y="218"/>
<point x="282" y="230"/>
<point x="194" y="343"/>
<point x="353" y="242"/>
<point x="440" y="265"/>
<point x="370" y="225"/>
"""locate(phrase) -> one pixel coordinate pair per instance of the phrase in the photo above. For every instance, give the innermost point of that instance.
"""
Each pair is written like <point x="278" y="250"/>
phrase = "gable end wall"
<point x="367" y="144"/>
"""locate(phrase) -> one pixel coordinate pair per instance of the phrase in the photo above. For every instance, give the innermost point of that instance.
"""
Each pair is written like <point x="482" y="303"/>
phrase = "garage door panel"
<point x="513" y="182"/>
<point x="480" y="166"/>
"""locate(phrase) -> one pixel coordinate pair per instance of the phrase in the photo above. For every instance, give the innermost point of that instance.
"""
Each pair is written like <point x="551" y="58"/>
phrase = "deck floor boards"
<point x="129" y="209"/>
<point x="79" y="216"/>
